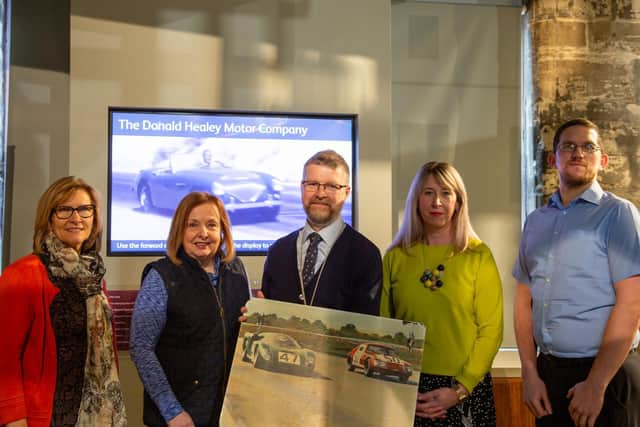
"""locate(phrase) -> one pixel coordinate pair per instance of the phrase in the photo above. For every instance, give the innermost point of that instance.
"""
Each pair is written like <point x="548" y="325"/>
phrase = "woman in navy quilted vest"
<point x="186" y="318"/>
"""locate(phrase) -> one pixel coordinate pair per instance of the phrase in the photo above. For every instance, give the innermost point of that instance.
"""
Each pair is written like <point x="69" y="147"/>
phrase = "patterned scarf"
<point x="102" y="400"/>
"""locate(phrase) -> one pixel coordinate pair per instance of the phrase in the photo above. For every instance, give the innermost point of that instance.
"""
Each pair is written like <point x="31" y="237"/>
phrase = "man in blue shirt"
<point x="578" y="294"/>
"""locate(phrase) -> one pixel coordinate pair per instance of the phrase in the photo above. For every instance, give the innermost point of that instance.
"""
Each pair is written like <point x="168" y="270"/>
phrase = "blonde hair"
<point x="412" y="229"/>
<point x="179" y="223"/>
<point x="57" y="193"/>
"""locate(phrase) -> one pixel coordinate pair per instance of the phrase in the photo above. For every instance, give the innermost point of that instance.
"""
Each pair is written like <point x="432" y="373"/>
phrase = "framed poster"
<point x="299" y="365"/>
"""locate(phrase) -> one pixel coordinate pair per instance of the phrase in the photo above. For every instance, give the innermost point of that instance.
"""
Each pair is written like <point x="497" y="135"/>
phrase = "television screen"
<point x="253" y="161"/>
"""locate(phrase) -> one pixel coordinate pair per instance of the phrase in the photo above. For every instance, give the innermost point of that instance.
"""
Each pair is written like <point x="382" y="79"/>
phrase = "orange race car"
<point x="375" y="358"/>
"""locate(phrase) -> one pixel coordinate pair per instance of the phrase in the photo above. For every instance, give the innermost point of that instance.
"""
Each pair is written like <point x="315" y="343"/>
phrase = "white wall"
<point x="38" y="126"/>
<point x="456" y="98"/>
<point x="310" y="56"/>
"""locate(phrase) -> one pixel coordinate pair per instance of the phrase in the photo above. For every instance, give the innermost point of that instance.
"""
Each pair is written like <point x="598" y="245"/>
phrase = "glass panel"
<point x="456" y="97"/>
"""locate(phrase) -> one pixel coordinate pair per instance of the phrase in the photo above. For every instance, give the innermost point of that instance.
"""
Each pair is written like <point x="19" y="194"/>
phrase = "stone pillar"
<point x="584" y="61"/>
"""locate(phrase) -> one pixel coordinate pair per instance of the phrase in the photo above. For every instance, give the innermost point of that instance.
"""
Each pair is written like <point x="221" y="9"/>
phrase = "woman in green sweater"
<point x="439" y="273"/>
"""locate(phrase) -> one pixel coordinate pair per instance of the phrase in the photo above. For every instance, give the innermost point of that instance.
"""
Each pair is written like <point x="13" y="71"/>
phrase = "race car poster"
<point x="252" y="161"/>
<point x="297" y="365"/>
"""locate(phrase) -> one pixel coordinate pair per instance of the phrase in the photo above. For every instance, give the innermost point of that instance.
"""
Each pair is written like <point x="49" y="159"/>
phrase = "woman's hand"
<point x="242" y="317"/>
<point x="183" y="419"/>
<point x="18" y="423"/>
<point x="434" y="404"/>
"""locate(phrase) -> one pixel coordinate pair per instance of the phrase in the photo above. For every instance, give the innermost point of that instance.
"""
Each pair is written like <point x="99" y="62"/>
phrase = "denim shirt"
<point x="571" y="258"/>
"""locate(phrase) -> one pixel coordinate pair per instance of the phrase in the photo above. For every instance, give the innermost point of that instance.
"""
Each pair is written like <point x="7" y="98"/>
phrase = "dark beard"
<point x="575" y="182"/>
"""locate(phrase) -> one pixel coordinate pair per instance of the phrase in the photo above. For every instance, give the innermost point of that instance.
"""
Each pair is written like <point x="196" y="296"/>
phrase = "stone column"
<point x="584" y="61"/>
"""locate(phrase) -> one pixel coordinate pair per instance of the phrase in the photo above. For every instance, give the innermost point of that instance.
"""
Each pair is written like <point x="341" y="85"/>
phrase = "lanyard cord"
<point x="315" y="287"/>
<point x="303" y="296"/>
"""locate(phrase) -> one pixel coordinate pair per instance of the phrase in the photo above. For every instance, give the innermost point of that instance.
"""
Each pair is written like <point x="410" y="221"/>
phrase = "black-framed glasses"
<point x="66" y="212"/>
<point x="570" y="147"/>
<point x="432" y="279"/>
<point x="313" y="186"/>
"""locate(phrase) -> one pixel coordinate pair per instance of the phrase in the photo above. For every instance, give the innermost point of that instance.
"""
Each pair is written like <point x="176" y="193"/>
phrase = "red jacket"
<point x="27" y="343"/>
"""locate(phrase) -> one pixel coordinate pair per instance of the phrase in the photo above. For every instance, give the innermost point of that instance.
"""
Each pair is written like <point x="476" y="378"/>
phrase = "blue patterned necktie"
<point x="310" y="259"/>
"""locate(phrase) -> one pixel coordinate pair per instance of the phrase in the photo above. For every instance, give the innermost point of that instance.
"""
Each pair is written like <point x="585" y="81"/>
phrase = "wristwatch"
<point x="461" y="392"/>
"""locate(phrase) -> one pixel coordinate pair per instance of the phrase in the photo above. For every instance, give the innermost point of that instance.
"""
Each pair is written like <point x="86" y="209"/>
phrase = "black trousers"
<point x="621" y="400"/>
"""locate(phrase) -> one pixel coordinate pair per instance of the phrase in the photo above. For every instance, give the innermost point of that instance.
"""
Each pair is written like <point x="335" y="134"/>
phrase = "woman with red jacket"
<point x="57" y="355"/>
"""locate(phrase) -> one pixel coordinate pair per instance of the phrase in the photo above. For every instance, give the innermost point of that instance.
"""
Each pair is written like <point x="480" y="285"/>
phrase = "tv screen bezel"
<point x="222" y="112"/>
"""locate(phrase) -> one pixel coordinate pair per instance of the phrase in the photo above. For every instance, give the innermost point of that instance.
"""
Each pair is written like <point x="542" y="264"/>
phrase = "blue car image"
<point x="254" y="194"/>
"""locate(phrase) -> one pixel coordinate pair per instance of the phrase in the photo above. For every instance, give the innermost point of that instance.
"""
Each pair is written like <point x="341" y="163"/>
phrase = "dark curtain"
<point x="5" y="40"/>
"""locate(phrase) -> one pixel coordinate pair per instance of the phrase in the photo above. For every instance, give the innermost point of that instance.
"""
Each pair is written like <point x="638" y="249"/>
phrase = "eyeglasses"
<point x="570" y="147"/>
<point x="433" y="280"/>
<point x="66" y="212"/>
<point x="312" y="187"/>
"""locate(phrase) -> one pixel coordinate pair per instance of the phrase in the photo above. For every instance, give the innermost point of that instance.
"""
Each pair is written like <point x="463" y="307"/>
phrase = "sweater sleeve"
<point x="488" y="312"/>
<point x="367" y="297"/>
<point x="147" y="323"/>
<point x="267" y="278"/>
<point x="16" y="315"/>
<point x="386" y="302"/>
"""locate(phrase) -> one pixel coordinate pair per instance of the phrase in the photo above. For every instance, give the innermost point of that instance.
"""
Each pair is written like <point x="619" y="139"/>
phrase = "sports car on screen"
<point x="275" y="351"/>
<point x="374" y="358"/>
<point x="242" y="191"/>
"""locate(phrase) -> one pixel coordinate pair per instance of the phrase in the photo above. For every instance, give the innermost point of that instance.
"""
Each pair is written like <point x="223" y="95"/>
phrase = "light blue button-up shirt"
<point x="571" y="258"/>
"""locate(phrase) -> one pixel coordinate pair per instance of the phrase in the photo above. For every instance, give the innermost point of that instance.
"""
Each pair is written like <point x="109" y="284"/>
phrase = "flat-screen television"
<point x="252" y="160"/>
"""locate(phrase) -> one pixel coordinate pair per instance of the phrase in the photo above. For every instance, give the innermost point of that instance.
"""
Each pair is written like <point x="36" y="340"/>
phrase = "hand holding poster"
<point x="299" y="365"/>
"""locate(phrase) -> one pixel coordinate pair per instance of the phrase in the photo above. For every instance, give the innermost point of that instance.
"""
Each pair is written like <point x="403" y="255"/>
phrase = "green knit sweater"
<point x="463" y="318"/>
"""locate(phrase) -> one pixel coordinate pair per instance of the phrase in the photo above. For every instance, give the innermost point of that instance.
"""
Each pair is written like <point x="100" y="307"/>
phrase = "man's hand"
<point x="534" y="391"/>
<point x="587" y="397"/>
<point x="535" y="396"/>
<point x="585" y="403"/>
<point x="183" y="419"/>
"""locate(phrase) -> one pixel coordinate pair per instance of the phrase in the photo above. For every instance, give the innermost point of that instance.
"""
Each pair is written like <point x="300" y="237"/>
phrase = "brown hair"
<point x="179" y="223"/>
<point x="412" y="228"/>
<point x="574" y="122"/>
<point x="328" y="158"/>
<point x="57" y="193"/>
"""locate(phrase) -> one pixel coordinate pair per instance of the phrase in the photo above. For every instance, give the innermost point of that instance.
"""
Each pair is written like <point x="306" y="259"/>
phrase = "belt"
<point x="566" y="362"/>
<point x="572" y="361"/>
